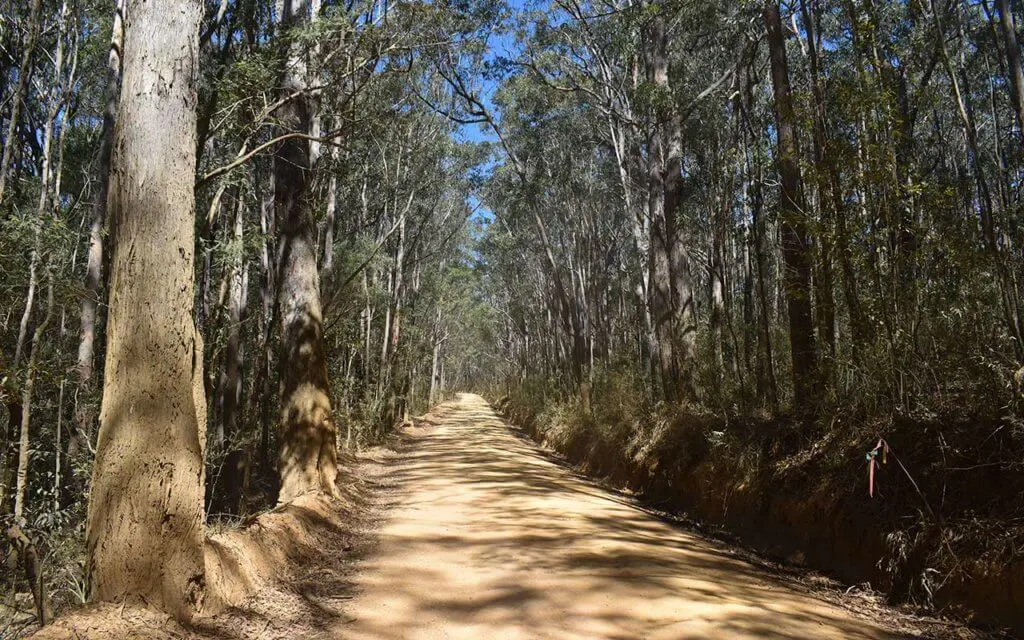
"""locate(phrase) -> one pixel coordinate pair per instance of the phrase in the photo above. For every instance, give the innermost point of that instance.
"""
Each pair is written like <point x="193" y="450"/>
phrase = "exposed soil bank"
<point x="806" y="508"/>
<point x="281" y="574"/>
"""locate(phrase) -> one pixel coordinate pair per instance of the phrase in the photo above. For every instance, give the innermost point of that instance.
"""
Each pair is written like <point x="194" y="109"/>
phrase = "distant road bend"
<point x="488" y="539"/>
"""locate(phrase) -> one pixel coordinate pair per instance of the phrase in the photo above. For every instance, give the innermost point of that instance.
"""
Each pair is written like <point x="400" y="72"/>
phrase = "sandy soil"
<point x="491" y="539"/>
<point x="463" y="529"/>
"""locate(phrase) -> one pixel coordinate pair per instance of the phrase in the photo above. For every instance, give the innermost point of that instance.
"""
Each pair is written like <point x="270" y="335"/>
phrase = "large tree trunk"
<point x="308" y="459"/>
<point x="829" y="201"/>
<point x="670" y="295"/>
<point x="796" y="247"/>
<point x="145" y="522"/>
<point x="235" y="464"/>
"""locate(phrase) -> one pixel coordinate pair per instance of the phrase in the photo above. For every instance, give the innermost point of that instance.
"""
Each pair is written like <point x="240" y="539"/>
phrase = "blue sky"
<point x="499" y="45"/>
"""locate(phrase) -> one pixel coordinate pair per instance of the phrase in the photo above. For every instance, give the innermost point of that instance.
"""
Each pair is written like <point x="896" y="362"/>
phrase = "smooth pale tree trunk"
<point x="332" y="203"/>
<point x="767" y="386"/>
<point x="145" y="523"/>
<point x="436" y="358"/>
<point x="749" y="323"/>
<point x="21" y="486"/>
<point x="308" y="459"/>
<point x="235" y="464"/>
<point x="85" y="415"/>
<point x="796" y="249"/>
<point x="434" y="373"/>
<point x="30" y="296"/>
<point x="58" y="457"/>
<point x="94" y="260"/>
<point x="393" y="321"/>
<point x="718" y="320"/>
<point x="399" y="291"/>
<point x="367" y="334"/>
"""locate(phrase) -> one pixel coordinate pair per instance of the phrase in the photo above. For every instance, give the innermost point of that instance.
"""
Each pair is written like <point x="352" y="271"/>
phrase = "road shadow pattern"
<point x="488" y="538"/>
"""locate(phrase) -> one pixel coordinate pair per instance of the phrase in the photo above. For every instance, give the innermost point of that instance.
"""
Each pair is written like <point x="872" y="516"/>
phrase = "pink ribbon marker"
<point x="872" y="457"/>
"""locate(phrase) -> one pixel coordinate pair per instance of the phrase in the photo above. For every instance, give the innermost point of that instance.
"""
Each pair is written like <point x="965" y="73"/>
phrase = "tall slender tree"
<point x="671" y="292"/>
<point x="796" y="247"/>
<point x="85" y="413"/>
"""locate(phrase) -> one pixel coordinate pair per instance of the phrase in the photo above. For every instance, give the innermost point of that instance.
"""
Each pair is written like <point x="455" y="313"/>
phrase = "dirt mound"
<point x="282" y="574"/>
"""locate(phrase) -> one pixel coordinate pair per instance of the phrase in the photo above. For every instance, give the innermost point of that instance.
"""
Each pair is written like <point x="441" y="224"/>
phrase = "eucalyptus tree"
<point x="308" y="445"/>
<point x="796" y="250"/>
<point x="833" y="290"/>
<point x="145" y="524"/>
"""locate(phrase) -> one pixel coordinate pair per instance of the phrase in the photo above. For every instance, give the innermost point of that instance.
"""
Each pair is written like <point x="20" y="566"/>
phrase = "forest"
<point x="755" y="262"/>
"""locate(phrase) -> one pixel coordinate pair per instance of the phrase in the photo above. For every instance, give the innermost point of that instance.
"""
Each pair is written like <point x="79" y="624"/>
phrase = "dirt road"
<point x="489" y="539"/>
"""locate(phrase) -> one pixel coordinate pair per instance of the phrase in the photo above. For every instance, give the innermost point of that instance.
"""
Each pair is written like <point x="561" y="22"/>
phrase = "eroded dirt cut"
<point x="490" y="539"/>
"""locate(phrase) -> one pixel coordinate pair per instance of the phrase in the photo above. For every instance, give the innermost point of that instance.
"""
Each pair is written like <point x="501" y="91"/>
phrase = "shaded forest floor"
<point x="463" y="528"/>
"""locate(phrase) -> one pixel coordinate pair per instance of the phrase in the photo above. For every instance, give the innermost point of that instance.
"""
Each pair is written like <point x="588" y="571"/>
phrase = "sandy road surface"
<point x="489" y="539"/>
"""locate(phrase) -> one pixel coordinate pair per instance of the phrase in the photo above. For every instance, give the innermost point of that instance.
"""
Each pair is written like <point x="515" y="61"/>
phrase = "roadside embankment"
<point x="935" y="533"/>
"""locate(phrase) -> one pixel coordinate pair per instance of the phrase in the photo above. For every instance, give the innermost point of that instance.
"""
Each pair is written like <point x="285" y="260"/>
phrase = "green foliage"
<point x="524" y="261"/>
